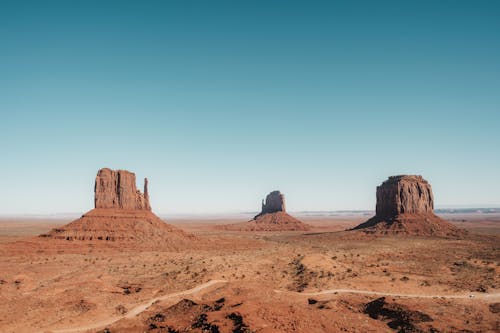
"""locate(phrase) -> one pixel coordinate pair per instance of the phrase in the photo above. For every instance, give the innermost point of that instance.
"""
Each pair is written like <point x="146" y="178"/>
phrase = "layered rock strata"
<point x="117" y="189"/>
<point x="404" y="195"/>
<point x="273" y="217"/>
<point x="405" y="205"/>
<point x="121" y="213"/>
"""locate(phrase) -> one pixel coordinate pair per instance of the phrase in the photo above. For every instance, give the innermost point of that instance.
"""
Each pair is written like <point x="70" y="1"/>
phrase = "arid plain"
<point x="257" y="281"/>
<point x="120" y="268"/>
<point x="347" y="147"/>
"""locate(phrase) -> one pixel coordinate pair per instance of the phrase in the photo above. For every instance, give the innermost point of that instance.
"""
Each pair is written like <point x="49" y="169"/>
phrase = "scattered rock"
<point x="202" y="323"/>
<point x="301" y="275"/>
<point x="120" y="309"/>
<point x="460" y="263"/>
<point x="129" y="289"/>
<point x="83" y="306"/>
<point x="481" y="289"/>
<point x="157" y="317"/>
<point x="494" y="308"/>
<point x="188" y="316"/>
<point x="425" y="283"/>
<point x="183" y="305"/>
<point x="239" y="325"/>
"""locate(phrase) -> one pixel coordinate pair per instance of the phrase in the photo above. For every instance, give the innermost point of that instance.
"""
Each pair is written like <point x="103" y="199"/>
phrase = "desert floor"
<point x="324" y="280"/>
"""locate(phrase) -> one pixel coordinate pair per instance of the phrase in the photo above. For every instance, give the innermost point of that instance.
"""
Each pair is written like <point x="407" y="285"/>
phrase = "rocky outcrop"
<point x="140" y="227"/>
<point x="404" y="195"/>
<point x="405" y="206"/>
<point x="122" y="214"/>
<point x="275" y="202"/>
<point x="117" y="189"/>
<point x="273" y="217"/>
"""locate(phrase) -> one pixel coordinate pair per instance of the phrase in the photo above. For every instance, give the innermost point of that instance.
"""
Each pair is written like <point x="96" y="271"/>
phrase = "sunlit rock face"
<point x="117" y="189"/>
<point x="404" y="195"/>
<point x="405" y="206"/>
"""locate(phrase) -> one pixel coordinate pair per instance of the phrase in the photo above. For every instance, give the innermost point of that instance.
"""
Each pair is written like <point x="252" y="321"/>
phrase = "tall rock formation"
<point x="117" y="189"/>
<point x="122" y="214"/>
<point x="275" y="202"/>
<point x="273" y="217"/>
<point x="405" y="205"/>
<point x="404" y="195"/>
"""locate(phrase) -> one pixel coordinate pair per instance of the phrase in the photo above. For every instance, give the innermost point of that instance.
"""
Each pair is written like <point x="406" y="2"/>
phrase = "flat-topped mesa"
<point x="117" y="189"/>
<point x="405" y="206"/>
<point x="404" y="194"/>
<point x="275" y="202"/>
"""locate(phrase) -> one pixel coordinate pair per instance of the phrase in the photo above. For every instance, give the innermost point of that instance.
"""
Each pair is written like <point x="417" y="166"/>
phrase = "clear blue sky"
<point x="221" y="102"/>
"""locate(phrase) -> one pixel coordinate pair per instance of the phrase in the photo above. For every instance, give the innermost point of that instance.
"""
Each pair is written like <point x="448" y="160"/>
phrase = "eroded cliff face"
<point x="404" y="195"/>
<point x="273" y="217"/>
<point x="275" y="202"/>
<point x="405" y="206"/>
<point x="117" y="189"/>
<point x="122" y="214"/>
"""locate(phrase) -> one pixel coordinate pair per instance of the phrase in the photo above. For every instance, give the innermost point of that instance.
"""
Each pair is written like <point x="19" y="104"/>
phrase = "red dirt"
<point x="411" y="225"/>
<point x="136" y="226"/>
<point x="275" y="281"/>
<point x="278" y="221"/>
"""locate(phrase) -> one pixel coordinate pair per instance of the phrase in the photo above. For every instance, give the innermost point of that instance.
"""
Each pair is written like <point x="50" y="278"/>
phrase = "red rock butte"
<point x="275" y="202"/>
<point x="273" y="217"/>
<point x="116" y="189"/>
<point x="121" y="213"/>
<point x="405" y="205"/>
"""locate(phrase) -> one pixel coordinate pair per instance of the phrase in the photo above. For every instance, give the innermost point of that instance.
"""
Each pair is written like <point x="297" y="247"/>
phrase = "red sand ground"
<point x="274" y="281"/>
<point x="428" y="225"/>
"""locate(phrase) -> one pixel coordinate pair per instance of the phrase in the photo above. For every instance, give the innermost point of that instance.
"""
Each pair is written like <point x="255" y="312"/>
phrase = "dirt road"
<point x="137" y="310"/>
<point x="490" y="297"/>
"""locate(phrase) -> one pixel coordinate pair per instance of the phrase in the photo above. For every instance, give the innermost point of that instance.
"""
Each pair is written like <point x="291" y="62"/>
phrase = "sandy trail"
<point x="137" y="310"/>
<point x="490" y="297"/>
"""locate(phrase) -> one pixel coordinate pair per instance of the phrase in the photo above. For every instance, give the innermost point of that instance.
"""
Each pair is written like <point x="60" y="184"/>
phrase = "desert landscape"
<point x="119" y="268"/>
<point x="250" y="166"/>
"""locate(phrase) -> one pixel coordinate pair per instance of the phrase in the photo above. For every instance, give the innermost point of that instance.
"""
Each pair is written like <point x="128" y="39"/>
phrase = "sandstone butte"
<point x="273" y="217"/>
<point x="405" y="206"/>
<point x="121" y="214"/>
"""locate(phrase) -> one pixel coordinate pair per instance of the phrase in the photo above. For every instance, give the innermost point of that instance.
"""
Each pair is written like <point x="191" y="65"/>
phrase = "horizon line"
<point x="442" y="209"/>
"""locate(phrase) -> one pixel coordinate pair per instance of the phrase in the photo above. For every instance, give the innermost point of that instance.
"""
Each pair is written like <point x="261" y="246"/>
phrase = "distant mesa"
<point x="121" y="213"/>
<point x="405" y="205"/>
<point x="275" y="202"/>
<point x="273" y="217"/>
<point x="404" y="195"/>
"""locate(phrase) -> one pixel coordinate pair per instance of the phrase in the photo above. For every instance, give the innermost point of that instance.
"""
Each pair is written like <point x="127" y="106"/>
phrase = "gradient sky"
<point x="221" y="102"/>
